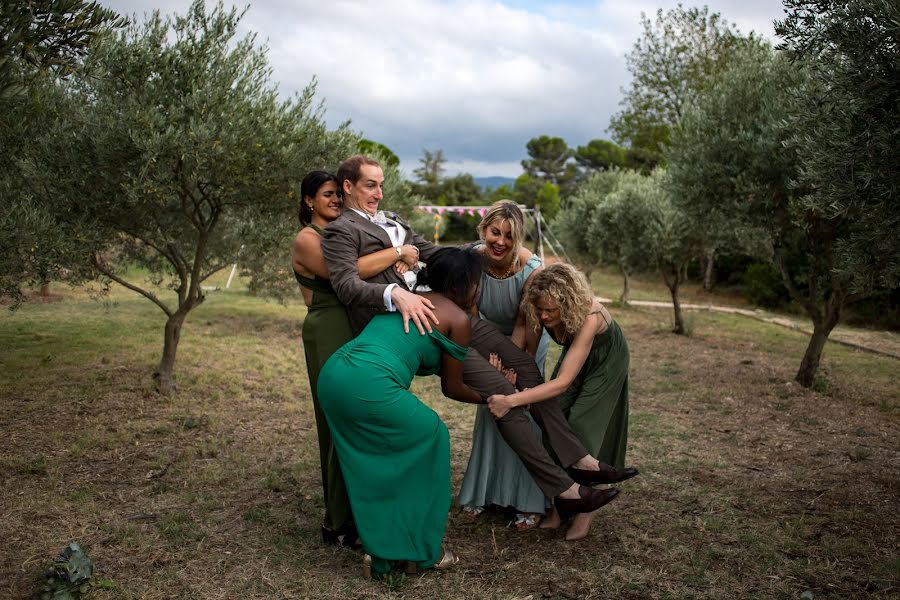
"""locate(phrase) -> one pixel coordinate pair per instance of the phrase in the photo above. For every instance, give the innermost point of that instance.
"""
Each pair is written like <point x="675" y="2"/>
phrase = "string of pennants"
<point x="460" y="210"/>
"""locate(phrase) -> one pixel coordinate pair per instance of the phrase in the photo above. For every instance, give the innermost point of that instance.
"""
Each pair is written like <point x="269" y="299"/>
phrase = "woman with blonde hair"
<point x="495" y="474"/>
<point x="590" y="380"/>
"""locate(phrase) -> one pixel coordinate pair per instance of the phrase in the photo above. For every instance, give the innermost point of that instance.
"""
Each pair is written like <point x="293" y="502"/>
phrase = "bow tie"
<point x="380" y="218"/>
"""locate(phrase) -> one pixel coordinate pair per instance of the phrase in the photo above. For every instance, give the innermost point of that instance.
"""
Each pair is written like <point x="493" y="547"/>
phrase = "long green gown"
<point x="596" y="404"/>
<point x="394" y="450"/>
<point x="325" y="329"/>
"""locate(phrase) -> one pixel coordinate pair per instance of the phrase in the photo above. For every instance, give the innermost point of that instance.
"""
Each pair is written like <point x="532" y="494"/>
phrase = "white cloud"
<point x="476" y="78"/>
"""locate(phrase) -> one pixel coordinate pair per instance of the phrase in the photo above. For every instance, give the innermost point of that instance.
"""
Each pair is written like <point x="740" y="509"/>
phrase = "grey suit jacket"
<point x="346" y="239"/>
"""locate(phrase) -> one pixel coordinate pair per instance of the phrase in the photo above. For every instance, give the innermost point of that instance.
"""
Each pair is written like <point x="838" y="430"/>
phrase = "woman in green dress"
<point x="591" y="377"/>
<point x="394" y="450"/>
<point x="326" y="328"/>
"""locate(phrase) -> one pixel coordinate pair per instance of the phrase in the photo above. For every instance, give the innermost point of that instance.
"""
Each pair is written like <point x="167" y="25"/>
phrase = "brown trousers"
<point x="515" y="427"/>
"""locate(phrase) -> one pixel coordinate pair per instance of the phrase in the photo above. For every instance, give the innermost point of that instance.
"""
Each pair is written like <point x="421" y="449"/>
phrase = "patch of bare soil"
<point x="750" y="486"/>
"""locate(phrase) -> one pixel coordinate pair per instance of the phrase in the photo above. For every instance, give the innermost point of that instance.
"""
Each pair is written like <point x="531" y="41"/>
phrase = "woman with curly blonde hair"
<point x="590" y="380"/>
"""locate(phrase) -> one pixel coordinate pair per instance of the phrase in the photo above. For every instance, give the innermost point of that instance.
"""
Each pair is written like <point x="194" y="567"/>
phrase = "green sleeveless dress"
<point x="394" y="450"/>
<point x="596" y="404"/>
<point x="325" y="329"/>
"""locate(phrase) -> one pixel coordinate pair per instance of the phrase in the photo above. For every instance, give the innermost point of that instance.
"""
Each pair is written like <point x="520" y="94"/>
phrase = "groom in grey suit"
<point x="362" y="229"/>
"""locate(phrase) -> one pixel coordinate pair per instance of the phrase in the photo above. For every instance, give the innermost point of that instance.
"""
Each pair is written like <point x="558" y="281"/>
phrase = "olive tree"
<point x="618" y="228"/>
<point x="177" y="153"/>
<point x="41" y="43"/>
<point x="802" y="150"/>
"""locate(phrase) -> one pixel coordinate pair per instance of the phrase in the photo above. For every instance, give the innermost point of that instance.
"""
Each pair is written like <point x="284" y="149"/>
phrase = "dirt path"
<point x="884" y="343"/>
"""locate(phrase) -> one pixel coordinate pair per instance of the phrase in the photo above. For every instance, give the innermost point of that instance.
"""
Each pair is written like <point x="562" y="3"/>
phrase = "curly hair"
<point x="569" y="287"/>
<point x="509" y="211"/>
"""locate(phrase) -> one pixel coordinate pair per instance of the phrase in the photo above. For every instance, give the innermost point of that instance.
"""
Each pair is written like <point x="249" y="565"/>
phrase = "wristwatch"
<point x="399" y="251"/>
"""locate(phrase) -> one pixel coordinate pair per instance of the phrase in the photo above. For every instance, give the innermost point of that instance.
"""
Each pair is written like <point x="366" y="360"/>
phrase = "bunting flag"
<point x="461" y="210"/>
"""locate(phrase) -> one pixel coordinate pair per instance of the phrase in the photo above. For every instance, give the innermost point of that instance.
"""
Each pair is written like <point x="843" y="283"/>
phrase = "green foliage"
<point x="68" y="577"/>
<point x="370" y="148"/>
<point x="574" y="221"/>
<point x="671" y="64"/>
<point x="40" y="41"/>
<point x="846" y="131"/>
<point x="532" y="191"/>
<point x="176" y="153"/>
<point x="434" y="188"/>
<point x="423" y="223"/>
<point x="619" y="224"/>
<point x="432" y="168"/>
<point x="763" y="286"/>
<point x="550" y="161"/>
<point x="47" y="35"/>
<point x="601" y="155"/>
<point x="801" y="151"/>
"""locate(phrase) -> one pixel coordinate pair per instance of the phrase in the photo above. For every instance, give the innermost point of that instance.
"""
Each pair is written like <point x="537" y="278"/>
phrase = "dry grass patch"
<point x="750" y="485"/>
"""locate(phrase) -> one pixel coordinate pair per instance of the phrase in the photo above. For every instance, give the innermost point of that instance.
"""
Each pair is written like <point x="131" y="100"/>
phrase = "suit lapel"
<point x="369" y="227"/>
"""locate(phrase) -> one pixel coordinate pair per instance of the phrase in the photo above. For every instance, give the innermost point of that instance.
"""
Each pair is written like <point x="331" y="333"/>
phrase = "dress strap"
<point x="531" y="264"/>
<point x="317" y="229"/>
<point x="603" y="316"/>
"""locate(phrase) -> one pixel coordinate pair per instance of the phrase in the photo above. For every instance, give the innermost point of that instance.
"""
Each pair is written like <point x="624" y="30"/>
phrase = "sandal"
<point x="447" y="560"/>
<point x="526" y="521"/>
<point x="471" y="512"/>
<point x="344" y="537"/>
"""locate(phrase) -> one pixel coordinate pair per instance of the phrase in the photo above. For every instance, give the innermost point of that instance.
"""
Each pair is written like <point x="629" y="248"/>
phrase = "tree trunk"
<point x="626" y="289"/>
<point x="709" y="271"/>
<point x="822" y="328"/>
<point x="45" y="288"/>
<point x="679" y="321"/>
<point x="165" y="372"/>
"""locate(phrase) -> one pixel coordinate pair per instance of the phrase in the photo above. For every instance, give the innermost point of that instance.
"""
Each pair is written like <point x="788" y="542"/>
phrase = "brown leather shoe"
<point x="590" y="499"/>
<point x="606" y="474"/>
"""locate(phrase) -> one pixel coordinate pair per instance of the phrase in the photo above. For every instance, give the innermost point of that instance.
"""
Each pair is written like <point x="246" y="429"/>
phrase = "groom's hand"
<point x="415" y="307"/>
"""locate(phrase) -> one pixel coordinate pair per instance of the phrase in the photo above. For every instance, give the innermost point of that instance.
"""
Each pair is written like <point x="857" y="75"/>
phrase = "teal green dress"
<point x="596" y="404"/>
<point x="495" y="474"/>
<point x="394" y="450"/>
<point x="325" y="329"/>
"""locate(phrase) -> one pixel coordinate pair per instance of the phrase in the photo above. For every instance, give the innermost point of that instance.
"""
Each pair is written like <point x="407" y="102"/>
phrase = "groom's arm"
<point x="341" y="246"/>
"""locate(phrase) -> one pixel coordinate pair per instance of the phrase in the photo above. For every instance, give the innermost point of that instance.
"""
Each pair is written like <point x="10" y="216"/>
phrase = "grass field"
<point x="750" y="486"/>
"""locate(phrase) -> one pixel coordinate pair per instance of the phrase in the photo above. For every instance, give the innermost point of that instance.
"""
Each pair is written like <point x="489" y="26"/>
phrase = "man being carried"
<point x="362" y="229"/>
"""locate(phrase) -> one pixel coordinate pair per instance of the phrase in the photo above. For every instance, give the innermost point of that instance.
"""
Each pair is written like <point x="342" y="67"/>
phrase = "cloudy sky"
<point x="476" y="78"/>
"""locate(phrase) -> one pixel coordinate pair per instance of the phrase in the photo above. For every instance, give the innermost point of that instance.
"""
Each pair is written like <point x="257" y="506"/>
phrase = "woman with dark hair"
<point x="394" y="451"/>
<point x="326" y="328"/>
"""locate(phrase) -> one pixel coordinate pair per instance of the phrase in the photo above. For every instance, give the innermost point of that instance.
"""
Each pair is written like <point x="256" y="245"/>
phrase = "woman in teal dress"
<point x="495" y="474"/>
<point x="591" y="377"/>
<point x="326" y="328"/>
<point x="394" y="450"/>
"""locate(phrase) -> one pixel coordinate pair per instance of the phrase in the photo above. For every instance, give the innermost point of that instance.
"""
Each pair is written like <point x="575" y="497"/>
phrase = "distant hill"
<point x="494" y="182"/>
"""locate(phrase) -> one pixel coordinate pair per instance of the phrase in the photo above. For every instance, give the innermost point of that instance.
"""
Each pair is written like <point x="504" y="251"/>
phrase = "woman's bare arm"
<point x="452" y="384"/>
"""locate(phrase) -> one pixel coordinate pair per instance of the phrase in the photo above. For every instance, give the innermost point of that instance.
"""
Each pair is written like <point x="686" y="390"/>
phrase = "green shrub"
<point x="763" y="286"/>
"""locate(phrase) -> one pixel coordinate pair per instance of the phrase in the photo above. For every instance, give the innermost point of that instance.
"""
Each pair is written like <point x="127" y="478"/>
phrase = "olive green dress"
<point x="325" y="329"/>
<point x="394" y="450"/>
<point x="596" y="404"/>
